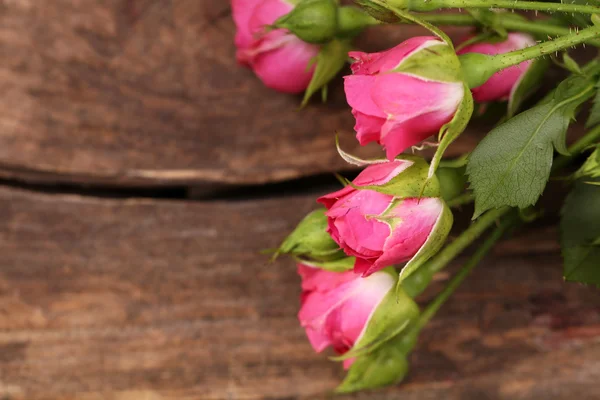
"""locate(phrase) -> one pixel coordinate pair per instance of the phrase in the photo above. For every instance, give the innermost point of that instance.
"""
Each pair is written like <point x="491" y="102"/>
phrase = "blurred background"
<point x="142" y="172"/>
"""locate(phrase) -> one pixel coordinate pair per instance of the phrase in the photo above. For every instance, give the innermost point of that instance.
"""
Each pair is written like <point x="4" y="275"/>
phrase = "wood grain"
<point x="147" y="92"/>
<point x="141" y="299"/>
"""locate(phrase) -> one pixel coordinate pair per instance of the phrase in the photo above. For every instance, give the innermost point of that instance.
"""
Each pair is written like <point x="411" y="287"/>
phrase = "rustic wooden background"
<point x="132" y="212"/>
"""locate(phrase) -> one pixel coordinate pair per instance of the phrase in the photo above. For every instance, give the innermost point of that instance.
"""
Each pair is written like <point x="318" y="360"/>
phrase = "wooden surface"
<point x="138" y="92"/>
<point x="107" y="295"/>
<point x="144" y="299"/>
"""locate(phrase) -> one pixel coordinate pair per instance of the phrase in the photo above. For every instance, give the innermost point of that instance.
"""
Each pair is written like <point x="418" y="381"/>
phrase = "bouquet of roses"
<point x="378" y="241"/>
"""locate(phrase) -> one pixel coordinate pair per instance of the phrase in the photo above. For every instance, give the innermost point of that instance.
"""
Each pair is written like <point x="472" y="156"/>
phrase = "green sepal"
<point x="377" y="11"/>
<point x="453" y="182"/>
<point x="384" y="367"/>
<point x="341" y="265"/>
<point x="313" y="21"/>
<point x="571" y="65"/>
<point x="432" y="245"/>
<point x="450" y="131"/>
<point x="351" y="159"/>
<point x="580" y="233"/>
<point x="526" y="85"/>
<point x="331" y="59"/>
<point x="395" y="314"/>
<point x="310" y="240"/>
<point x="477" y="68"/>
<point x="436" y="63"/>
<point x="410" y="183"/>
<point x="407" y="16"/>
<point x="591" y="167"/>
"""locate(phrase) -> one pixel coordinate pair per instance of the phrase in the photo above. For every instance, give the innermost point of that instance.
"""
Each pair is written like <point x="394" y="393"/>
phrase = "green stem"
<point x="481" y="252"/>
<point x="514" y="5"/>
<point x="552" y="46"/>
<point x="463" y="199"/>
<point x="415" y="283"/>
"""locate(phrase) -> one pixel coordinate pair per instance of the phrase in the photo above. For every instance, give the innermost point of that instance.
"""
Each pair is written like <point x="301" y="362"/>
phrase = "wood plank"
<point x="141" y="299"/>
<point x="140" y="92"/>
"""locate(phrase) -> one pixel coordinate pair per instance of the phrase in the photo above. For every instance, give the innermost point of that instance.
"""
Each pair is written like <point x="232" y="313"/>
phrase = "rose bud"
<point x="350" y="313"/>
<point x="502" y="84"/>
<point x="402" y="96"/>
<point x="279" y="58"/>
<point x="381" y="219"/>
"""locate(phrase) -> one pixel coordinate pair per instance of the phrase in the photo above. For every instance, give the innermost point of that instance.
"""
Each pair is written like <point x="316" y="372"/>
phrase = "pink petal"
<point x="417" y="109"/>
<point x="500" y="85"/>
<point x="362" y="266"/>
<point x="404" y="96"/>
<point x="330" y="199"/>
<point x="321" y="280"/>
<point x="380" y="174"/>
<point x="242" y="11"/>
<point x="337" y="315"/>
<point x="400" y="136"/>
<point x="373" y="63"/>
<point x="358" y="94"/>
<point x="267" y="12"/>
<point x="367" y="127"/>
<point x="365" y="63"/>
<point x="418" y="217"/>
<point x="286" y="68"/>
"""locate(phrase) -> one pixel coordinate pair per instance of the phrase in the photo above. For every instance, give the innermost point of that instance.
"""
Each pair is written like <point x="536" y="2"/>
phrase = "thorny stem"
<point x="509" y="22"/>
<point x="516" y="5"/>
<point x="552" y="46"/>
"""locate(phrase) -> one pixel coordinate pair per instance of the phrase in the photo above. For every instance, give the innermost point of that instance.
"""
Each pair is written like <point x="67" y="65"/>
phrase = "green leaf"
<point x="526" y="85"/>
<point x="580" y="233"/>
<point x="450" y="131"/>
<point x="511" y="165"/>
<point x="330" y="60"/>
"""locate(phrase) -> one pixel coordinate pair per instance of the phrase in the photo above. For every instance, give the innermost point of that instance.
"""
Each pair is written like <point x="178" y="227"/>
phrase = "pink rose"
<point x="336" y="307"/>
<point x="501" y="85"/>
<point x="278" y="57"/>
<point x="400" y="109"/>
<point x="379" y="229"/>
